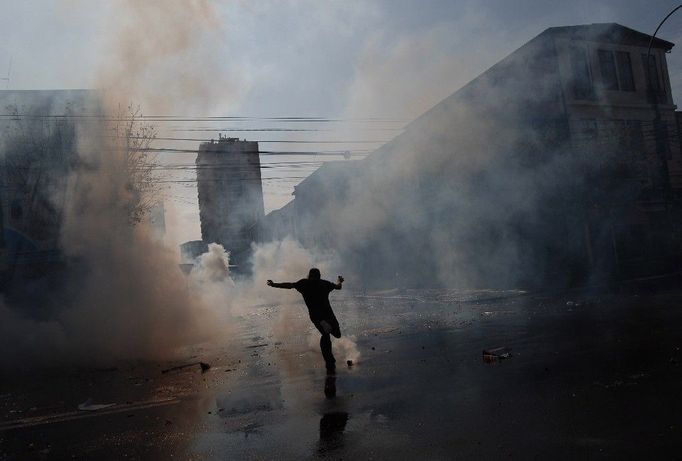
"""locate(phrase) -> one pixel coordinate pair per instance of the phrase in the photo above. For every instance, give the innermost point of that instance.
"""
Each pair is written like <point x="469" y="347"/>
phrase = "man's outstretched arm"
<point x="287" y="285"/>
<point x="339" y="283"/>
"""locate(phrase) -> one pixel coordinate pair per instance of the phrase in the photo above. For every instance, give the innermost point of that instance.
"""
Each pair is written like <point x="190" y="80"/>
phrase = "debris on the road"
<point x="497" y="353"/>
<point x="495" y="313"/>
<point x="349" y="363"/>
<point x="88" y="405"/>
<point x="253" y="346"/>
<point x="204" y="367"/>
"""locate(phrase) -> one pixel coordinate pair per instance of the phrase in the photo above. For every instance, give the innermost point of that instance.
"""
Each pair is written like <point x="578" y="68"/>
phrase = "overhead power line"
<point x="245" y="130"/>
<point x="261" y="152"/>
<point x="290" y="141"/>
<point x="179" y="118"/>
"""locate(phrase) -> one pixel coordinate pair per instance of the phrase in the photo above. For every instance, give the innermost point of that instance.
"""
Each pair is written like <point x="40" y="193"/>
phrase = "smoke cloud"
<point x="495" y="186"/>
<point x="120" y="293"/>
<point x="164" y="55"/>
<point x="473" y="193"/>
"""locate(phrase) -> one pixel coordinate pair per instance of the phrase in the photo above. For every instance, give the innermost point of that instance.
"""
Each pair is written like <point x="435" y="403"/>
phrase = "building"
<point x="620" y="111"/>
<point x="560" y="164"/>
<point x="230" y="194"/>
<point x="279" y="224"/>
<point x="38" y="149"/>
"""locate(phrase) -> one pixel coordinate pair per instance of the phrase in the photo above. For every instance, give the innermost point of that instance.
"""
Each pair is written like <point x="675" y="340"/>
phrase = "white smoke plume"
<point x="344" y="348"/>
<point x="130" y="300"/>
<point x="123" y="296"/>
<point x="164" y="54"/>
<point x="287" y="260"/>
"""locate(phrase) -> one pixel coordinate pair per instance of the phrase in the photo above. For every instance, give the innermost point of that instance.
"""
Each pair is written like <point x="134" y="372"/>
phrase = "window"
<point x="581" y="83"/>
<point x="616" y="70"/>
<point x="624" y="65"/>
<point x="607" y="66"/>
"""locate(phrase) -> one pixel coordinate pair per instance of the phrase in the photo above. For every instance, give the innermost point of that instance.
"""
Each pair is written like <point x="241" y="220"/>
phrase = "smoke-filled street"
<point x="589" y="376"/>
<point x="350" y="229"/>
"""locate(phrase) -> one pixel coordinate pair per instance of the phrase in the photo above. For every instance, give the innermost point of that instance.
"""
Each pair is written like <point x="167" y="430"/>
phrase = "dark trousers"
<point x="328" y="327"/>
<point x="326" y="346"/>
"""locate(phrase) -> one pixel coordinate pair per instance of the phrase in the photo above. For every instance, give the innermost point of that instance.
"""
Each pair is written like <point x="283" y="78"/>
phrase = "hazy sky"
<point x="350" y="59"/>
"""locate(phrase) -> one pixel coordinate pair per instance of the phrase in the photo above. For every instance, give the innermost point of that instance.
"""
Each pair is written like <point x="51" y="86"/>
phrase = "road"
<point x="591" y="376"/>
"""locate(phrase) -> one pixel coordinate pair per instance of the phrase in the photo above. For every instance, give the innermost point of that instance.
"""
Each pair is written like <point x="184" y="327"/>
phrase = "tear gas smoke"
<point x="162" y="55"/>
<point x="476" y="192"/>
<point x="286" y="260"/>
<point x="344" y="348"/>
<point x="495" y="186"/>
<point x="121" y="294"/>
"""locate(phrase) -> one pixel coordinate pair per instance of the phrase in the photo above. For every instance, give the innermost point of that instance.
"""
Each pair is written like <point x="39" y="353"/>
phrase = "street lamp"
<point x="658" y="128"/>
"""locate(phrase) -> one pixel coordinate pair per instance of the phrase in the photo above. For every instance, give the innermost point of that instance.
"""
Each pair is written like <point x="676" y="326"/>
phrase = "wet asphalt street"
<point x="590" y="377"/>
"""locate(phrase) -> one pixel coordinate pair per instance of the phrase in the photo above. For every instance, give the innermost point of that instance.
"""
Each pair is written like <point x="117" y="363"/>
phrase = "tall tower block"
<point x="230" y="194"/>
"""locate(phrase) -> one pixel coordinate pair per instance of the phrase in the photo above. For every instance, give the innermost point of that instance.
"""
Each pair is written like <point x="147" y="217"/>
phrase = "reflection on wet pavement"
<point x="332" y="426"/>
<point x="584" y="380"/>
<point x="330" y="386"/>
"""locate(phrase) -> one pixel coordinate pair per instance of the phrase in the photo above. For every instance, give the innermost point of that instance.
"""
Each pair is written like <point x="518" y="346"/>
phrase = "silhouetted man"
<point x="315" y="293"/>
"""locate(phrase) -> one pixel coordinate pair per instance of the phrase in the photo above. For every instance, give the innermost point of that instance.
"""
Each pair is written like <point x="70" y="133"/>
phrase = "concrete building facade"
<point x="230" y="194"/>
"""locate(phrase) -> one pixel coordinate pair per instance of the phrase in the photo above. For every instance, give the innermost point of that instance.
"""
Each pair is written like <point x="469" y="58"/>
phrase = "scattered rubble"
<point x="88" y="405"/>
<point x="203" y="365"/>
<point x="496" y="354"/>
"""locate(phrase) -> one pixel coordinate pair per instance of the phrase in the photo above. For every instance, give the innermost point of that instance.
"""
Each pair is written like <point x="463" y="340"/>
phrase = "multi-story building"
<point x="560" y="163"/>
<point x="230" y="194"/>
<point x="620" y="109"/>
<point x="38" y="149"/>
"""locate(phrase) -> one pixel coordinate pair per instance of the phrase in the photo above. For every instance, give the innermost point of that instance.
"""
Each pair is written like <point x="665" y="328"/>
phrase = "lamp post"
<point x="660" y="135"/>
<point x="658" y="128"/>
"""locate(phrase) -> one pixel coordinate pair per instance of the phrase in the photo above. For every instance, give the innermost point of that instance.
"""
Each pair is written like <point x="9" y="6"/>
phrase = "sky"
<point x="388" y="60"/>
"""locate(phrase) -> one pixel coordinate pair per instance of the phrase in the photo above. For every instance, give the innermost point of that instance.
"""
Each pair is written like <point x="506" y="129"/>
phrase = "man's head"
<point x="314" y="274"/>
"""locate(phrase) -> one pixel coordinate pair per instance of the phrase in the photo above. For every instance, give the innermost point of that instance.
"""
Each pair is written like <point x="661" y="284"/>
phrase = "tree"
<point x="134" y="137"/>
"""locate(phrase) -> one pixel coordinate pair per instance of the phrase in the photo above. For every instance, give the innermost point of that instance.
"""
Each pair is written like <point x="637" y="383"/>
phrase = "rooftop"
<point x="609" y="32"/>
